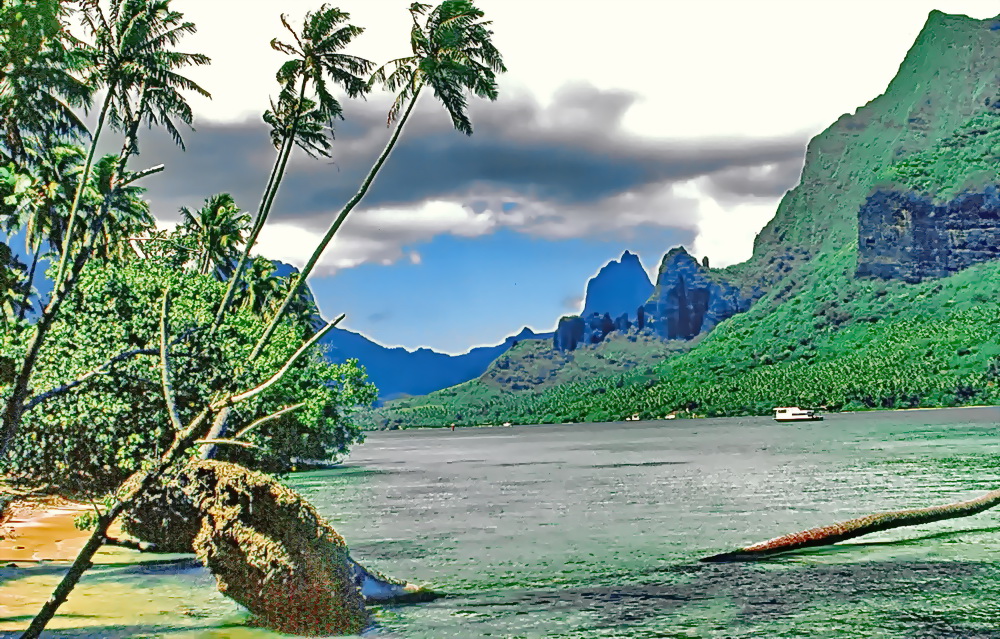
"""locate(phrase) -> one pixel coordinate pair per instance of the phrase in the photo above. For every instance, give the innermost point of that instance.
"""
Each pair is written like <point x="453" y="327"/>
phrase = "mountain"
<point x="621" y="286"/>
<point x="689" y="299"/>
<point x="399" y="372"/>
<point x="874" y="285"/>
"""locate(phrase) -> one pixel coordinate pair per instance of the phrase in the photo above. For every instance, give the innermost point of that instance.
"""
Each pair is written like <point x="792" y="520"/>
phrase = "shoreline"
<point x="39" y="529"/>
<point x="680" y="418"/>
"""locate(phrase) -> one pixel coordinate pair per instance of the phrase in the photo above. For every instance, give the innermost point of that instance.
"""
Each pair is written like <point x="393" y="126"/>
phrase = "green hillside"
<point x="817" y="336"/>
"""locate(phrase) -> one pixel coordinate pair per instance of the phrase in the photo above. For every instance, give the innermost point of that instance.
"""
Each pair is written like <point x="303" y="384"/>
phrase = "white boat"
<point x="795" y="414"/>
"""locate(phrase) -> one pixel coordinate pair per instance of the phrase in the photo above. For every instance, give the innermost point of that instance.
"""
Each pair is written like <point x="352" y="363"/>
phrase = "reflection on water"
<point x="595" y="531"/>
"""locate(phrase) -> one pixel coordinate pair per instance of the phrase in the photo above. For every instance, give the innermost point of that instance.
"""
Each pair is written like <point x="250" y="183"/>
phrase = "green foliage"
<point x="836" y="343"/>
<point x="969" y="157"/>
<point x="97" y="433"/>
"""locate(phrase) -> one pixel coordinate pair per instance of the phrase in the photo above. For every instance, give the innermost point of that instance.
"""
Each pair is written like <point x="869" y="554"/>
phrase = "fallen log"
<point x="268" y="548"/>
<point x="826" y="535"/>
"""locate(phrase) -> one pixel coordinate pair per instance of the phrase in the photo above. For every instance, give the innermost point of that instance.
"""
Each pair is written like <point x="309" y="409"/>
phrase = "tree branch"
<point x="267" y="418"/>
<point x="233" y="442"/>
<point x="168" y="389"/>
<point x="281" y="372"/>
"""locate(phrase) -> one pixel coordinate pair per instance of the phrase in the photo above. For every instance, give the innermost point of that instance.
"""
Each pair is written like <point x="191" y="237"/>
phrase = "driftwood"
<point x="826" y="535"/>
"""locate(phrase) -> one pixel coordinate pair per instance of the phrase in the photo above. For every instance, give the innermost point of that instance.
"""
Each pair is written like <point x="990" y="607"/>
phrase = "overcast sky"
<point x="633" y="125"/>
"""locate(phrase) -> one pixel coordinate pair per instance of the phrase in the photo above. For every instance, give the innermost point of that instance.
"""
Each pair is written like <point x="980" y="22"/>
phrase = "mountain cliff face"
<point x="689" y="299"/>
<point x="906" y="189"/>
<point x="936" y="212"/>
<point x="619" y="287"/>
<point x="949" y="75"/>
<point x="904" y="235"/>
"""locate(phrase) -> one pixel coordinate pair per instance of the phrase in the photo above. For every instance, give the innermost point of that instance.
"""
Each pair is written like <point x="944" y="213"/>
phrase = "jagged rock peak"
<point x="619" y="287"/>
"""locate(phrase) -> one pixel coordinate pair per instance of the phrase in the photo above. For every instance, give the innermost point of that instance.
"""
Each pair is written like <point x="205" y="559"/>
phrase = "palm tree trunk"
<point x="219" y="427"/>
<point x="263" y="210"/>
<point x="314" y="258"/>
<point x="826" y="535"/>
<point x="81" y="185"/>
<point x="30" y="284"/>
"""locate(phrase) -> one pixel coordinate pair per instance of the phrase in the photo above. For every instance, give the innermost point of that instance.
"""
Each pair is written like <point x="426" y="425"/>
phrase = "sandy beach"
<point x="41" y="529"/>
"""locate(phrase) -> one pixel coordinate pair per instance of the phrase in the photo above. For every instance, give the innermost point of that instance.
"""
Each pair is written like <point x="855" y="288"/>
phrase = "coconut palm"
<point x="48" y="178"/>
<point x="262" y="287"/>
<point x="38" y="83"/>
<point x="452" y="54"/>
<point x="298" y="120"/>
<point x="218" y="232"/>
<point x="132" y="61"/>
<point x="125" y="213"/>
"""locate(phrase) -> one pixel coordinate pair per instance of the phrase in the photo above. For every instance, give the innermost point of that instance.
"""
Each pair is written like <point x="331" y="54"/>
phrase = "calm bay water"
<point x="595" y="531"/>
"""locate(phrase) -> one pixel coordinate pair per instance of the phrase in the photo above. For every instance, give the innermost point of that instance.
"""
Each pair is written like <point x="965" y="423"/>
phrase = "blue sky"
<point x="463" y="290"/>
<point x="686" y="126"/>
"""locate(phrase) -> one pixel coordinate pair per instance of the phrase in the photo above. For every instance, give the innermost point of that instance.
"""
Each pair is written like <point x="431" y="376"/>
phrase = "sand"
<point x="41" y="529"/>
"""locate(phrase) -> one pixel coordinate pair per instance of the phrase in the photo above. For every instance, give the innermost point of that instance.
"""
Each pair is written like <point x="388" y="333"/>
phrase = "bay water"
<point x="595" y="530"/>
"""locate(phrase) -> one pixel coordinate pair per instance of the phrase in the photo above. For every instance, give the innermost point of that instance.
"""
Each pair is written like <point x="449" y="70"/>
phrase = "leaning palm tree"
<point x="842" y="531"/>
<point x="132" y="61"/>
<point x="298" y="120"/>
<point x="218" y="232"/>
<point x="452" y="53"/>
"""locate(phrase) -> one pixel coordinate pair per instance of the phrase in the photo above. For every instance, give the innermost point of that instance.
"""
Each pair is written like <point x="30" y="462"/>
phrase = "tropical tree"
<point x="216" y="232"/>
<point x="262" y="287"/>
<point x="298" y="120"/>
<point x="39" y="83"/>
<point x="196" y="420"/>
<point x="131" y="59"/>
<point x="452" y="53"/>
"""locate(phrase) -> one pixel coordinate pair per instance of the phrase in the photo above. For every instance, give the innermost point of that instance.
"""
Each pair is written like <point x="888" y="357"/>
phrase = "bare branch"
<point x="257" y="390"/>
<point x="216" y="442"/>
<point x="59" y="390"/>
<point x="168" y="389"/>
<point x="267" y="418"/>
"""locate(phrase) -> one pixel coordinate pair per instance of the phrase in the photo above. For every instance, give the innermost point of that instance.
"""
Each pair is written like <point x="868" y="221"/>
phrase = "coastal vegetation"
<point x="828" y="341"/>
<point x="155" y="347"/>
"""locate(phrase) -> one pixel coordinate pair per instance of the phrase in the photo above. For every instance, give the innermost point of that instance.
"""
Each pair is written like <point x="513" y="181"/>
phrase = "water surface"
<point x="594" y="530"/>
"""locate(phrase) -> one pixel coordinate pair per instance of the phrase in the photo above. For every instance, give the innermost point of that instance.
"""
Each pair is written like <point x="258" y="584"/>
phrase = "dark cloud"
<point x="380" y="316"/>
<point x="765" y="181"/>
<point x="566" y="170"/>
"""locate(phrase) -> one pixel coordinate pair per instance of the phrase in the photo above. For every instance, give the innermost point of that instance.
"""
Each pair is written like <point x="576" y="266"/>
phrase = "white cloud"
<point x="726" y="232"/>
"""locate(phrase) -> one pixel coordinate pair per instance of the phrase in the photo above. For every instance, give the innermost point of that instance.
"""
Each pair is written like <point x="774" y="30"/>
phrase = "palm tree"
<point x="451" y="53"/>
<point x="263" y="288"/>
<point x="217" y="230"/>
<point x="297" y="120"/>
<point x="132" y="60"/>
<point x="41" y="213"/>
<point x="38" y="83"/>
<point x="125" y="213"/>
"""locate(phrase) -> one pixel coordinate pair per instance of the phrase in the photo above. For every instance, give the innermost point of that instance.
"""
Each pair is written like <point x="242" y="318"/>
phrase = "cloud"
<point x="380" y="316"/>
<point x="556" y="171"/>
<point x="573" y="303"/>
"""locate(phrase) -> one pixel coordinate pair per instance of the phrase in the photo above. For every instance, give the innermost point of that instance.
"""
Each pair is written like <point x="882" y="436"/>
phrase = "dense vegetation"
<point x="827" y="341"/>
<point x="153" y="348"/>
<point x="818" y="336"/>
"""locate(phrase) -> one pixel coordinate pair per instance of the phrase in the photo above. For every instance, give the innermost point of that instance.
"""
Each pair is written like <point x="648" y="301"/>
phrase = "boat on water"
<point x="795" y="414"/>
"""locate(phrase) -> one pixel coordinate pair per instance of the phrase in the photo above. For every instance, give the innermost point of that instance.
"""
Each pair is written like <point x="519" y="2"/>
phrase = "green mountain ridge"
<point x="817" y="335"/>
